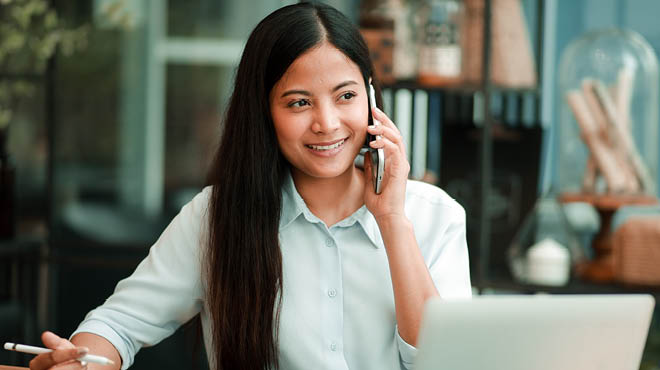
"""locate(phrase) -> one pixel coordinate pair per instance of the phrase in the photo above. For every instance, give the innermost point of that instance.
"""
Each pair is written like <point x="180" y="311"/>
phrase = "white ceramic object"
<point x="548" y="263"/>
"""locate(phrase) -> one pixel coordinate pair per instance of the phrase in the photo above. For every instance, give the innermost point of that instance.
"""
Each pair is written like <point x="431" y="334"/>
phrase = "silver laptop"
<point x="540" y="332"/>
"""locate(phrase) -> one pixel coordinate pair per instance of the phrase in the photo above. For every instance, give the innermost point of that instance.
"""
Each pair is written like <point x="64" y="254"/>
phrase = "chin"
<point x="327" y="173"/>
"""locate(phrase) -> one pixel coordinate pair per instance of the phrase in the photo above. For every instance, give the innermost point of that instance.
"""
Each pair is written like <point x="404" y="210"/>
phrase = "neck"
<point x="331" y="199"/>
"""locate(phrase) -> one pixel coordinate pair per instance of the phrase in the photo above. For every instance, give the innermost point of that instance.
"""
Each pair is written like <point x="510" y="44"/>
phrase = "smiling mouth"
<point x="326" y="147"/>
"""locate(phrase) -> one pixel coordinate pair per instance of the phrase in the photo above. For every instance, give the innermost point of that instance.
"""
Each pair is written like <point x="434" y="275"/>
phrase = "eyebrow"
<point x="307" y="93"/>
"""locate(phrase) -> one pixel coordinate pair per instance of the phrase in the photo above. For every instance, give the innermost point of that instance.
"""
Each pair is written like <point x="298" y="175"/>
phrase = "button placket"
<point x="333" y="305"/>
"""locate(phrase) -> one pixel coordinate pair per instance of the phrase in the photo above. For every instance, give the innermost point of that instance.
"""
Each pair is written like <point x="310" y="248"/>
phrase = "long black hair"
<point x="244" y="262"/>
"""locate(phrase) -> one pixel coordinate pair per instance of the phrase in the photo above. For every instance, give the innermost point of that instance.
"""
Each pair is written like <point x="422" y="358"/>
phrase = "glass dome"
<point x="609" y="115"/>
<point x="546" y="247"/>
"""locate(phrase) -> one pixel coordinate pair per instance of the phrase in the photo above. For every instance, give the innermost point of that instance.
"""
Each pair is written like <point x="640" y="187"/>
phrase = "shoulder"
<point x="199" y="204"/>
<point x="431" y="200"/>
<point x="193" y="216"/>
<point x="203" y="198"/>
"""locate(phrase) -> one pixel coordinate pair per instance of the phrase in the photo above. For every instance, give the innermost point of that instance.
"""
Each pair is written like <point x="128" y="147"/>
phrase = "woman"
<point x="291" y="259"/>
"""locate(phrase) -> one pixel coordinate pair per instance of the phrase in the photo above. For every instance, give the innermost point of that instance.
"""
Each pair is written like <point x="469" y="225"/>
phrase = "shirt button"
<point x="332" y="293"/>
<point x="329" y="242"/>
<point x="333" y="346"/>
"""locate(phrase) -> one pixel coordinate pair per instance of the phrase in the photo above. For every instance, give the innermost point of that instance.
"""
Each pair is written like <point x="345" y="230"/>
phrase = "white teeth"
<point x="326" y="147"/>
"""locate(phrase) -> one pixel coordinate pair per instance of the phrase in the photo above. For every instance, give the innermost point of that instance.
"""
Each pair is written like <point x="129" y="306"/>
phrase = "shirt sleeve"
<point x="450" y="271"/>
<point x="163" y="292"/>
<point x="440" y="231"/>
<point x="449" y="264"/>
<point x="406" y="351"/>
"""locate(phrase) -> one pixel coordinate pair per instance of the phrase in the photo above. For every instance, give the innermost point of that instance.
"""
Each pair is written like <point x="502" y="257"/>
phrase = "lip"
<point x="328" y="153"/>
<point x="326" y="143"/>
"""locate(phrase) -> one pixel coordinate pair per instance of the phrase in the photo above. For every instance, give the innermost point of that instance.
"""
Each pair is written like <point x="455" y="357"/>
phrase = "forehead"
<point x="320" y="65"/>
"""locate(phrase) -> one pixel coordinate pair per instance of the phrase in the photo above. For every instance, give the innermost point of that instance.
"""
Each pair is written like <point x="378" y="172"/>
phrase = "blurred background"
<point x="110" y="111"/>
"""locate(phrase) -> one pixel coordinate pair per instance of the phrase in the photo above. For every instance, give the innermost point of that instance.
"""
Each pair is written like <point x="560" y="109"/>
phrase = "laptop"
<point x="540" y="332"/>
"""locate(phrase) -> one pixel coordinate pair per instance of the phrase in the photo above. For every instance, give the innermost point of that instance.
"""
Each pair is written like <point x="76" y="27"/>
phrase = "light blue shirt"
<point x="338" y="304"/>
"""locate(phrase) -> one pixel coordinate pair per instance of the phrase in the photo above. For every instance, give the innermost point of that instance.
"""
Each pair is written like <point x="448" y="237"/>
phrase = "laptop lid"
<point x="541" y="332"/>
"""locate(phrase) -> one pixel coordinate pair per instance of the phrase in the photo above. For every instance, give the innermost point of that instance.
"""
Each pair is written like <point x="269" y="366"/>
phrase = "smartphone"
<point x="377" y="155"/>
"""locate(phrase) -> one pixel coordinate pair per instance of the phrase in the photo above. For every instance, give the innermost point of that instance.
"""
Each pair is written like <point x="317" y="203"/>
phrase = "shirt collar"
<point x="292" y="203"/>
<point x="293" y="206"/>
<point x="369" y="225"/>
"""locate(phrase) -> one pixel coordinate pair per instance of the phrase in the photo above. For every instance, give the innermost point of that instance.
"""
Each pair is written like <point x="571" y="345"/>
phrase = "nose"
<point x="326" y="119"/>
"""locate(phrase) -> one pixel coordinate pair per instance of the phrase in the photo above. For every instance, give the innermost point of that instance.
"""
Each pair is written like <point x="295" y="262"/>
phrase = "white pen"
<point x="38" y="350"/>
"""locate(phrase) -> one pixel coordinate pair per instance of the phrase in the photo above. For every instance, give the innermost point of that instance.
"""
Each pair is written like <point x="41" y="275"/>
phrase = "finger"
<point x="384" y="119"/>
<point x="391" y="132"/>
<point x="391" y="150"/>
<point x="72" y="365"/>
<point x="53" y="341"/>
<point x="395" y="159"/>
<point x="387" y="132"/>
<point x="58" y="356"/>
<point x="382" y="141"/>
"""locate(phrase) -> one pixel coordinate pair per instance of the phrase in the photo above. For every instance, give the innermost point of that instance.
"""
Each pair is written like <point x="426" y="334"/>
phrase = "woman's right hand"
<point x="63" y="357"/>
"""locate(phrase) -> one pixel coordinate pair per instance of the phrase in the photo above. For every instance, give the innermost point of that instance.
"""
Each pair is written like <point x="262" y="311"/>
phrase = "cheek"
<point x="288" y="127"/>
<point x="359" y="118"/>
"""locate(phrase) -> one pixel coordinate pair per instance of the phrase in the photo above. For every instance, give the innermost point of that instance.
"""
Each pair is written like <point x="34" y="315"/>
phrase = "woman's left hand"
<point x="390" y="202"/>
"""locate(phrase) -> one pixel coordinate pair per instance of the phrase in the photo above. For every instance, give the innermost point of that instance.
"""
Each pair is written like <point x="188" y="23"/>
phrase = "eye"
<point x="347" y="95"/>
<point x="298" y="103"/>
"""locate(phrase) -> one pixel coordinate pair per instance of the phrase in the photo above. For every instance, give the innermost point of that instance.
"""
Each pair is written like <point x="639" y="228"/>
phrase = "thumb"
<point x="52" y="341"/>
<point x="367" y="170"/>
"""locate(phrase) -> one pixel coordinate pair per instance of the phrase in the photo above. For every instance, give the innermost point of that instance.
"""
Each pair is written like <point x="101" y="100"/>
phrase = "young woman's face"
<point x="319" y="108"/>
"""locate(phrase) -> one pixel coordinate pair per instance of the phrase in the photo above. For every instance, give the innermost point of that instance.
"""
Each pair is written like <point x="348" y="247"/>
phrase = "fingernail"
<point x="82" y="350"/>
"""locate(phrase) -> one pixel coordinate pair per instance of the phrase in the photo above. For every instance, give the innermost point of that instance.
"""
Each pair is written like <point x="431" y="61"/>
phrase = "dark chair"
<point x="19" y="261"/>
